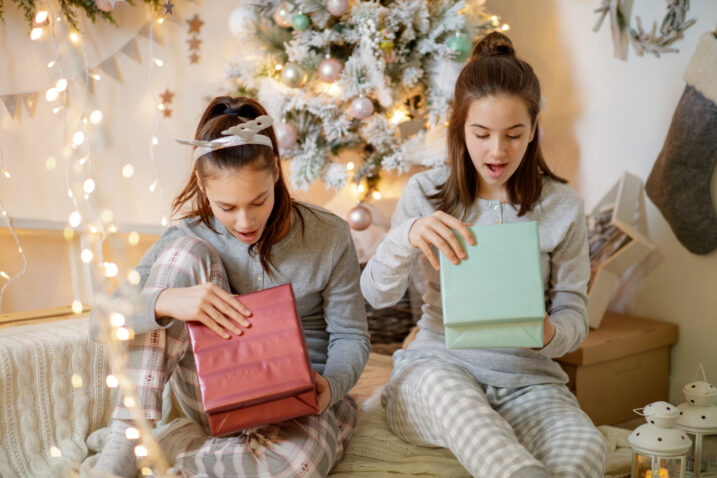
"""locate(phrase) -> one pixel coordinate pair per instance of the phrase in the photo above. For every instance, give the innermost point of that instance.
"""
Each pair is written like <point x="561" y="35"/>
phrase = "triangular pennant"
<point x="10" y="102"/>
<point x="109" y="66"/>
<point x="30" y="100"/>
<point x="155" y="35"/>
<point x="131" y="50"/>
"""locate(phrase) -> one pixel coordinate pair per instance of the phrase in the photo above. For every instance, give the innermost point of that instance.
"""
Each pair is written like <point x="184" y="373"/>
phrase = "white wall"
<point x="602" y="116"/>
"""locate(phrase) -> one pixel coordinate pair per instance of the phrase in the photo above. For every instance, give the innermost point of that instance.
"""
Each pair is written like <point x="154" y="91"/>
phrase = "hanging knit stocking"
<point x="679" y="183"/>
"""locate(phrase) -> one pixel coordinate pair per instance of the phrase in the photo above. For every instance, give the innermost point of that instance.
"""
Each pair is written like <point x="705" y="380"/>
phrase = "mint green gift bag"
<point x="494" y="298"/>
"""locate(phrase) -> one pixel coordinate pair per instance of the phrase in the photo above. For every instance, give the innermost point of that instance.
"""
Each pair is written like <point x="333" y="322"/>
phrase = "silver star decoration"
<point x="168" y="6"/>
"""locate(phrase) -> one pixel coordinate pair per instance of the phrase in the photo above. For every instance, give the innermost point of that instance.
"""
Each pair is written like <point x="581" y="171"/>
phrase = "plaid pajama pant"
<point x="494" y="432"/>
<point x="307" y="446"/>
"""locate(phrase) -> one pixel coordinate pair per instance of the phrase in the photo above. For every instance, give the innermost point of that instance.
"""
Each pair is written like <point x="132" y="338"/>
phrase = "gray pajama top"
<point x="565" y="266"/>
<point x="323" y="269"/>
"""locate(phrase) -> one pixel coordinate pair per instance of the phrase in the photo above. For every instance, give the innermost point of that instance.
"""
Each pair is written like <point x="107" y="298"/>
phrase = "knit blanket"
<point x="52" y="396"/>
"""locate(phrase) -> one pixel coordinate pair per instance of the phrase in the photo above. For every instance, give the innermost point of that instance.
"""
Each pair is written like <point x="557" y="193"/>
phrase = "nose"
<point x="498" y="146"/>
<point x="243" y="220"/>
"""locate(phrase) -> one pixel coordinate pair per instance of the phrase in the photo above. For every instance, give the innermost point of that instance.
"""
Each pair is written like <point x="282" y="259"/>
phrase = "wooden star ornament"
<point x="195" y="23"/>
<point x="194" y="58"/>
<point x="167" y="96"/>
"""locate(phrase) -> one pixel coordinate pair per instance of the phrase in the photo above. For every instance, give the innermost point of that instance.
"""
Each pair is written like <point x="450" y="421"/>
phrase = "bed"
<point x="52" y="383"/>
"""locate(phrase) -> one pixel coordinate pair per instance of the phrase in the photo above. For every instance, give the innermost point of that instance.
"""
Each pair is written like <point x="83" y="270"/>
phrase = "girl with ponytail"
<point x="240" y="231"/>
<point x="502" y="412"/>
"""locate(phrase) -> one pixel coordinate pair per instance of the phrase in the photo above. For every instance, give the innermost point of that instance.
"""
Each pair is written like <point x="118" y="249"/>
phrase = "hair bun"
<point x="494" y="43"/>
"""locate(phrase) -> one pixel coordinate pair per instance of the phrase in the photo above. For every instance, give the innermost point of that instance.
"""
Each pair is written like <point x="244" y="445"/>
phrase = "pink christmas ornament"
<point x="361" y="107"/>
<point x="284" y="14"/>
<point x="330" y="70"/>
<point x="105" y="5"/>
<point x="286" y="135"/>
<point x="359" y="218"/>
<point x="337" y="7"/>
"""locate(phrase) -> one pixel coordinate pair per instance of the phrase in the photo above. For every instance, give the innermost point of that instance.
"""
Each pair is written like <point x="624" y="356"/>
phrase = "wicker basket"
<point x="392" y="324"/>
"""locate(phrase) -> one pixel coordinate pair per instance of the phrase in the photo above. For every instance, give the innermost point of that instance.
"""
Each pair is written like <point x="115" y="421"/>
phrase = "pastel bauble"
<point x="283" y="14"/>
<point x="293" y="75"/>
<point x="286" y="135"/>
<point x="359" y="218"/>
<point x="330" y="70"/>
<point x="361" y="108"/>
<point x="337" y="7"/>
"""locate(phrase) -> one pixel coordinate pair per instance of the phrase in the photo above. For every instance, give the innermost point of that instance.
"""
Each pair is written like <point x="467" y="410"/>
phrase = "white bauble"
<point x="240" y="19"/>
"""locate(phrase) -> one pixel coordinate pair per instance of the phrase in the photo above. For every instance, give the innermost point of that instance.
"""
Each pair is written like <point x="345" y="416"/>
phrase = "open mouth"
<point x="247" y="236"/>
<point x="495" y="169"/>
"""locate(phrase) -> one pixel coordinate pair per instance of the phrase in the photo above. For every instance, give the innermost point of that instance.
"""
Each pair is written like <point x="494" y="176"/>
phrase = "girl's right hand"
<point x="205" y="303"/>
<point x="436" y="230"/>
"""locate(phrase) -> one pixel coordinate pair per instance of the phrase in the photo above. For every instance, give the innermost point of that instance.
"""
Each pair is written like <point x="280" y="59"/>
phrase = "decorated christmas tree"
<point x="371" y="78"/>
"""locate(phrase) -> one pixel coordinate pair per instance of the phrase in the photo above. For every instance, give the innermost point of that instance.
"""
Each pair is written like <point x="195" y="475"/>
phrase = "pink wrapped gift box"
<point x="260" y="377"/>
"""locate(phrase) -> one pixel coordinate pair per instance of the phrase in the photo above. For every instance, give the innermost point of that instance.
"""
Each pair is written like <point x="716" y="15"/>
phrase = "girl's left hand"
<point x="548" y="330"/>
<point x="323" y="392"/>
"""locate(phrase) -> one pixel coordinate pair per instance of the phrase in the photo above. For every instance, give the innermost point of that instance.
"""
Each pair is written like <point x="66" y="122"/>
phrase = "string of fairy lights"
<point x="90" y="223"/>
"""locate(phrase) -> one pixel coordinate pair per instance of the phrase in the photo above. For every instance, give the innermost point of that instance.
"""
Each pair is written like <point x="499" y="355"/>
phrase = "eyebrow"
<point x="260" y="196"/>
<point x="485" y="127"/>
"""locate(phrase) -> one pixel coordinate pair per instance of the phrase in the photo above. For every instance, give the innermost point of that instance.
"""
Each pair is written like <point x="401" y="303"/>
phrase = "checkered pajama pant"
<point x="307" y="446"/>
<point x="493" y="432"/>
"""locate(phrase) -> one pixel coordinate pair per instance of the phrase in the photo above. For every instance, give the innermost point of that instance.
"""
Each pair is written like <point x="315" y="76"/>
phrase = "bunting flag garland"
<point x="29" y="100"/>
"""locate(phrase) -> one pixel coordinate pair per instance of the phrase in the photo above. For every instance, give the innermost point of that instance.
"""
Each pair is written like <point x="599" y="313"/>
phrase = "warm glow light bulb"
<point x="134" y="277"/>
<point x="75" y="219"/>
<point x="89" y="185"/>
<point x="112" y="381"/>
<point x="95" y="116"/>
<point x="107" y="216"/>
<point x="505" y="27"/>
<point x="129" y="402"/>
<point x="77" y="306"/>
<point x="51" y="94"/>
<point x="350" y="166"/>
<point x="55" y="452"/>
<point x="133" y="238"/>
<point x="122" y="333"/>
<point x="75" y="37"/>
<point x="376" y="195"/>
<point x="41" y="16"/>
<point x="4" y="275"/>
<point x="61" y="85"/>
<point x="78" y="138"/>
<point x="76" y="381"/>
<point x="140" y="450"/>
<point x="131" y="433"/>
<point x="87" y="256"/>
<point x="155" y="140"/>
<point x="153" y="186"/>
<point x="117" y="319"/>
<point x="36" y="33"/>
<point x="111" y="269"/>
<point x="158" y="62"/>
<point x="128" y="171"/>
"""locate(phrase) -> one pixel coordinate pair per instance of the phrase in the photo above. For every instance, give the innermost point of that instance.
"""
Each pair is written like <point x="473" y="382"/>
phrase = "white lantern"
<point x="698" y="417"/>
<point x="658" y="449"/>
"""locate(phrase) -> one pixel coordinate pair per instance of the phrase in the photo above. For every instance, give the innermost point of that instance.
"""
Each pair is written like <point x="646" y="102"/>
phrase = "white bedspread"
<point x="40" y="409"/>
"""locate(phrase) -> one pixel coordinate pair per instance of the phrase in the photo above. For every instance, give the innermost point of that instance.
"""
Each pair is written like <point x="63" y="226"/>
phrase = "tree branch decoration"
<point x="69" y="10"/>
<point x="655" y="41"/>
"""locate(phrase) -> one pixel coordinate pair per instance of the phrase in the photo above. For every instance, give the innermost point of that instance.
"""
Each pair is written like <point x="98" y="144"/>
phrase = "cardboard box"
<point x="623" y="365"/>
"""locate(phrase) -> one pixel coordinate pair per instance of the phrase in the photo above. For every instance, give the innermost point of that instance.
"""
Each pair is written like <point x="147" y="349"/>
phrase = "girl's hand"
<point x="436" y="230"/>
<point x="548" y="330"/>
<point x="205" y="303"/>
<point x="323" y="392"/>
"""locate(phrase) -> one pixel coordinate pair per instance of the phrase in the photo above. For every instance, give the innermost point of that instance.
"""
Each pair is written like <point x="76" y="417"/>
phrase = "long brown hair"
<point x="222" y="113"/>
<point x="493" y="69"/>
